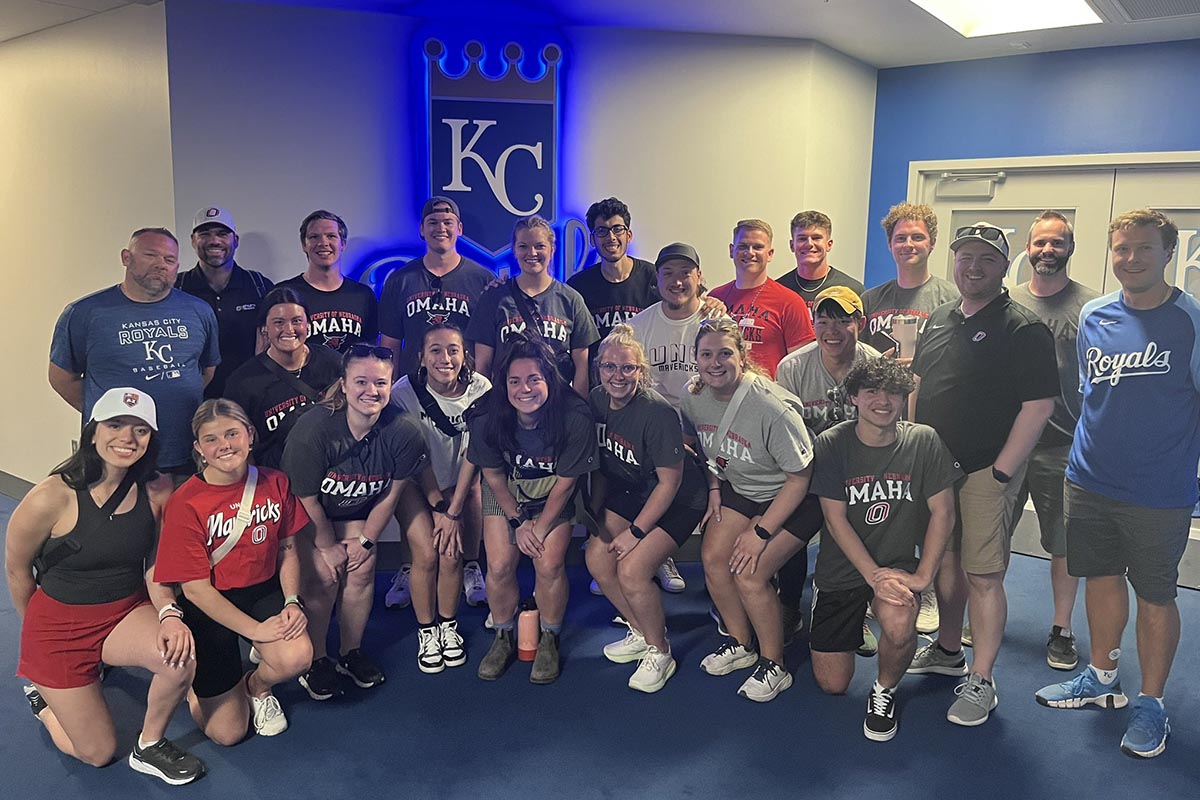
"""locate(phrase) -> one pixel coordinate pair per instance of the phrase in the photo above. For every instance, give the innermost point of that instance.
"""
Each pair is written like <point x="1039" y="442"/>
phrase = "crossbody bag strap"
<point x="287" y="377"/>
<point x="240" y="521"/>
<point x="716" y="463"/>
<point x="432" y="408"/>
<point x="523" y="306"/>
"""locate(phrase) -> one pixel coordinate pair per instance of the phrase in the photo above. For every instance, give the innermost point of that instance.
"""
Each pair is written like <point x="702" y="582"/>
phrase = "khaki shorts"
<point x="983" y="522"/>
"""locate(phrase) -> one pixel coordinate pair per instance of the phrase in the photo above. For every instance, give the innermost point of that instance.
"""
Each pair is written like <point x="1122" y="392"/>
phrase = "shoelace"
<point x="170" y="753"/>
<point x="429" y="640"/>
<point x="669" y="570"/>
<point x="472" y="575"/>
<point x="269" y="708"/>
<point x="972" y="690"/>
<point x="880" y="702"/>
<point x="727" y="647"/>
<point x="1145" y="723"/>
<point x="763" y="671"/>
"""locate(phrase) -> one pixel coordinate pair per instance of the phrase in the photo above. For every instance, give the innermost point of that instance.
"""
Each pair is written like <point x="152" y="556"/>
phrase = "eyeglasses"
<point x="436" y="285"/>
<point x="616" y="230"/>
<point x="369" y="350"/>
<point x="609" y="368"/>
<point x="988" y="233"/>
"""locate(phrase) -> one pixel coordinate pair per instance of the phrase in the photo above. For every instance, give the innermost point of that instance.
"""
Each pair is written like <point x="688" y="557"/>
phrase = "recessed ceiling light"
<point x="974" y="18"/>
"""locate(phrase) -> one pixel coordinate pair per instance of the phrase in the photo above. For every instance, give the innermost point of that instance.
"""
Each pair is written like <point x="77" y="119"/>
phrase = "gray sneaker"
<point x="499" y="657"/>
<point x="1060" y="650"/>
<point x="976" y="699"/>
<point x="931" y="659"/>
<point x="545" y="662"/>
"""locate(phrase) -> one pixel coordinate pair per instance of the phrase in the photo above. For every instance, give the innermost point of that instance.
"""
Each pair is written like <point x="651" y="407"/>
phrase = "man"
<point x="912" y="233"/>
<point x="141" y="332"/>
<point x="231" y="291"/>
<point x="774" y="320"/>
<point x="440" y="287"/>
<point x="812" y="241"/>
<point x="340" y="312"/>
<point x="619" y="285"/>
<point x="1131" y="476"/>
<point x="886" y="487"/>
<point x="815" y="374"/>
<point x="1057" y="300"/>
<point x="986" y="382"/>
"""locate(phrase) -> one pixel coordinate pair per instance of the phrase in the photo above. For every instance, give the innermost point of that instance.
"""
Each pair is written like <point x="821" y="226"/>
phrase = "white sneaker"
<point x="474" y="587"/>
<point x="489" y="623"/>
<point x="669" y="578"/>
<point x="268" y="716"/>
<point x="631" y="648"/>
<point x="429" y="651"/>
<point x="400" y="594"/>
<point x="653" y="672"/>
<point x="595" y="589"/>
<point x="730" y="656"/>
<point x="766" y="682"/>
<point x="928" y="618"/>
<point x="255" y="656"/>
<point x="454" y="653"/>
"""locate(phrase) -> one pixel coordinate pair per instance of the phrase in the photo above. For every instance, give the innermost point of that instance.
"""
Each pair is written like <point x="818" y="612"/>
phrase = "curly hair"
<point x="879" y="373"/>
<point x="913" y="212"/>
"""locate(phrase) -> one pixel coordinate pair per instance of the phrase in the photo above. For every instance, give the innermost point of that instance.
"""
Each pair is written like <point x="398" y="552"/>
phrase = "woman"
<point x="438" y="394"/>
<point x="536" y="305"/>
<point x="90" y="529"/>
<point x="533" y="437"/>
<point x="287" y="376"/>
<point x="348" y="458"/>
<point x="759" y="456"/>
<point x="648" y="497"/>
<point x="229" y="542"/>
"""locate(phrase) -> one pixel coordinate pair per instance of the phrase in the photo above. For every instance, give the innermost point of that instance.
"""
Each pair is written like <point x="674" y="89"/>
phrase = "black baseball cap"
<point x="677" y="250"/>
<point x="432" y="206"/>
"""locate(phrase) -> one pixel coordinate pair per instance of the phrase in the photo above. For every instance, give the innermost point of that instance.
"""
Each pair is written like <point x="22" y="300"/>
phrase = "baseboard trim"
<point x="14" y="487"/>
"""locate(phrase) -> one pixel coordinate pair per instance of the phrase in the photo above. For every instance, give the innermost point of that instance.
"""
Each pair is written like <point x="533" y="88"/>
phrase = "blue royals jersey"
<point x="1138" y="436"/>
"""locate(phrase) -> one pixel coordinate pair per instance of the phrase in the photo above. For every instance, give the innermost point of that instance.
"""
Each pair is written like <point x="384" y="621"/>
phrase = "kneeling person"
<point x="886" y="487"/>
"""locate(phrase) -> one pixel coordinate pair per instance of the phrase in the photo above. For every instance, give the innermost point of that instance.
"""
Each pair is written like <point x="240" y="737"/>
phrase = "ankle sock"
<point x="1106" y="676"/>
<point x="949" y="652"/>
<point x="142" y="744"/>
<point x="1158" y="700"/>
<point x="552" y="627"/>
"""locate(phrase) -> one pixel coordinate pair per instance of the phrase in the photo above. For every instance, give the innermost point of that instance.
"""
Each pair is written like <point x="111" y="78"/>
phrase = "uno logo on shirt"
<point x="259" y="534"/>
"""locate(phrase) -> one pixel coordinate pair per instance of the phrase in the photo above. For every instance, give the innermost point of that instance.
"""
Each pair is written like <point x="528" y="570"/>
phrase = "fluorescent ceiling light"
<point x="991" y="17"/>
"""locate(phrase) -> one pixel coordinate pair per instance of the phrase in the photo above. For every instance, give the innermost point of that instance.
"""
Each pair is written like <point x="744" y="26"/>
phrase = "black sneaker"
<point x="37" y="703"/>
<point x="360" y="669"/>
<point x="883" y="718"/>
<point x="165" y="760"/>
<point x="1060" y="650"/>
<point x="321" y="680"/>
<point x="793" y="623"/>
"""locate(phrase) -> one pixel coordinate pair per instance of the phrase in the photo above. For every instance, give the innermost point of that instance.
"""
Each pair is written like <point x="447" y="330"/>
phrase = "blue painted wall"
<point x="1140" y="98"/>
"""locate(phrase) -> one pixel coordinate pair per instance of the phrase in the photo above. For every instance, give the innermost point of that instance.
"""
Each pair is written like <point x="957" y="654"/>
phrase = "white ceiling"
<point x="882" y="33"/>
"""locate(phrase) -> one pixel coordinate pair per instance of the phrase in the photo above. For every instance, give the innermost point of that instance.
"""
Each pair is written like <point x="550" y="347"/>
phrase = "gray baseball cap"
<point x="677" y="250"/>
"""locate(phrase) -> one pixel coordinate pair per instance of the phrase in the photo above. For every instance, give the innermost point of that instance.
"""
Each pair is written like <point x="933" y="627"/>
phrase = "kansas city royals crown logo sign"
<point x="493" y="139"/>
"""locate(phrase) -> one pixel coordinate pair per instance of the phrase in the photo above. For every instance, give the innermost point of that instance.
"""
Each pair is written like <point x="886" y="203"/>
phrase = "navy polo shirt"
<point x="236" y="308"/>
<point x="976" y="372"/>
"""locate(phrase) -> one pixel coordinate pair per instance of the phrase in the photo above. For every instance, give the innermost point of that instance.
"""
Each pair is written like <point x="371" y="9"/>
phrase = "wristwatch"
<point x="366" y="543"/>
<point x="1001" y="477"/>
<point x="294" y="598"/>
<point x="637" y="532"/>
<point x="761" y="532"/>
<point x="442" y="506"/>
<point x="514" y="522"/>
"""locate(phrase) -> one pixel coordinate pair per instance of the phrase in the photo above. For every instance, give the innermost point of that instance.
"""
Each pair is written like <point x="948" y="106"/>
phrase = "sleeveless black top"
<point x="107" y="558"/>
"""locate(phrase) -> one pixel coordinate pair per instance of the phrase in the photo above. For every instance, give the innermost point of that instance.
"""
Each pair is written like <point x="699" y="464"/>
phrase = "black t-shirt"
<point x="977" y="371"/>
<point x="613" y="303"/>
<point x="347" y="315"/>
<point x="886" y="491"/>
<point x="535" y="456"/>
<point x="272" y="402"/>
<point x="323" y="458"/>
<point x="414" y="299"/>
<point x="236" y="308"/>
<point x="637" y="439"/>
<point x="810" y="289"/>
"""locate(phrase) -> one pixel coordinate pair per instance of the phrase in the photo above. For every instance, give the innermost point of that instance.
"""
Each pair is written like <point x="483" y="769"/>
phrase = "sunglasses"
<point x="370" y="350"/>
<point x="987" y="233"/>
<point x="436" y="284"/>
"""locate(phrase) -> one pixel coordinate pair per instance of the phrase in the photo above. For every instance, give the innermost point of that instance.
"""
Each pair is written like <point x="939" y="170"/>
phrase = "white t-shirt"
<point x="670" y="346"/>
<point x="446" y="453"/>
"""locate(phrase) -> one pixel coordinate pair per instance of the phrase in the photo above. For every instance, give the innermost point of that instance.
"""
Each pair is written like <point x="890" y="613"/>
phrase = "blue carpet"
<point x="588" y="736"/>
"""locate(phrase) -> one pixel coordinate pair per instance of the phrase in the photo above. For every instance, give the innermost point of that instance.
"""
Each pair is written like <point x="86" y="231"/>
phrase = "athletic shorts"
<point x="679" y="521"/>
<point x="1044" y="477"/>
<point x="218" y="654"/>
<point x="837" y="619"/>
<point x="1107" y="537"/>
<point x="61" y="643"/>
<point x="983" y="522"/>
<point x="530" y="494"/>
<point x="804" y="523"/>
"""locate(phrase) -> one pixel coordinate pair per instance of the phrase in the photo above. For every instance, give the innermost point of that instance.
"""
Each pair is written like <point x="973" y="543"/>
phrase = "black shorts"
<point x="218" y="655"/>
<point x="837" y="619"/>
<point x="804" y="523"/>
<point x="679" y="520"/>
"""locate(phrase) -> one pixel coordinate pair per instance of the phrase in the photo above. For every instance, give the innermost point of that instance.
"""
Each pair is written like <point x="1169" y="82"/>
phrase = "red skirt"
<point x="61" y="643"/>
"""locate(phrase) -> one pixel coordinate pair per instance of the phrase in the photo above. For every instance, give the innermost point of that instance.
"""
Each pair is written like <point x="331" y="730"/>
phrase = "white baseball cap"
<point x="211" y="215"/>
<point x="125" y="401"/>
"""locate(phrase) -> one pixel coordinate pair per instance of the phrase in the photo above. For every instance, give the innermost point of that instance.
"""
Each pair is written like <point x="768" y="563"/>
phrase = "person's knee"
<point x="290" y="657"/>
<point x="96" y="751"/>
<point x="548" y="570"/>
<point x="176" y="677"/>
<point x="226" y="734"/>
<point x="502" y="568"/>
<point x="832" y="682"/>
<point x="986" y="582"/>
<point x="748" y="582"/>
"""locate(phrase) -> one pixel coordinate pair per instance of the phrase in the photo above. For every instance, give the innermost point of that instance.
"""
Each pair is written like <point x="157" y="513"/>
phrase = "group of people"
<point x="247" y="444"/>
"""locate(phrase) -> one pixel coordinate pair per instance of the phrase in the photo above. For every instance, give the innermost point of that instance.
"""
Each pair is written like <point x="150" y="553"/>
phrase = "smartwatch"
<point x="294" y="598"/>
<point x="637" y="532"/>
<point x="441" y="506"/>
<point x="366" y="543"/>
<point x="1001" y="477"/>
<point x="761" y="532"/>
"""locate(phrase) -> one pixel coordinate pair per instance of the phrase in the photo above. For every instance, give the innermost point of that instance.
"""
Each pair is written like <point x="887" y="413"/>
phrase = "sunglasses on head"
<point x="982" y="231"/>
<point x="370" y="350"/>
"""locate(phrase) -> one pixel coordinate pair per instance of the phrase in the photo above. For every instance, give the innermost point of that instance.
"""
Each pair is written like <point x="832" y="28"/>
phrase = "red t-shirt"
<point x="199" y="516"/>
<point x="774" y="320"/>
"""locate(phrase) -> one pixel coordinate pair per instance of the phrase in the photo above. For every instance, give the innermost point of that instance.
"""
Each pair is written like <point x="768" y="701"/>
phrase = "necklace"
<point x="803" y="285"/>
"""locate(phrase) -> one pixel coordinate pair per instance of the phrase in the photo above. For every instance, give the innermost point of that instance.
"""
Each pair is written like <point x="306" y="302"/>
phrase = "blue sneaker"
<point x="1084" y="688"/>
<point x="1148" y="729"/>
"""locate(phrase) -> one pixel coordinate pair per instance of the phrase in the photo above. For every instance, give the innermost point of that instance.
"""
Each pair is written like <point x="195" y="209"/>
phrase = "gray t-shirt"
<point x="1060" y="312"/>
<point x="887" y="300"/>
<point x="886" y="491"/>
<point x="803" y="374"/>
<point x="767" y="438"/>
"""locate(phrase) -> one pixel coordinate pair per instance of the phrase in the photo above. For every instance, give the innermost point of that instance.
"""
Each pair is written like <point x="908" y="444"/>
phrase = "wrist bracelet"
<point x="714" y="488"/>
<point x="455" y="517"/>
<point x="167" y="609"/>
<point x="166" y="617"/>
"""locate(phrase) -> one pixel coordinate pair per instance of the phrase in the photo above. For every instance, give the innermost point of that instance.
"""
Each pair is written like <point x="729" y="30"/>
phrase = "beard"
<point x="1053" y="266"/>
